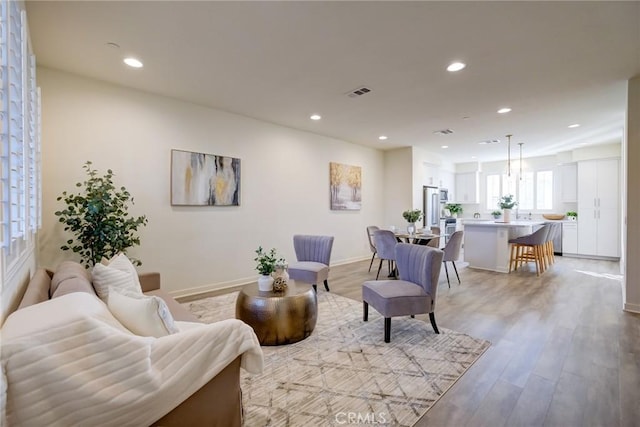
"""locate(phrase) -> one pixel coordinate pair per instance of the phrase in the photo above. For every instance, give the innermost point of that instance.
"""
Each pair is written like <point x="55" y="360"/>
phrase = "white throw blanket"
<point x="68" y="362"/>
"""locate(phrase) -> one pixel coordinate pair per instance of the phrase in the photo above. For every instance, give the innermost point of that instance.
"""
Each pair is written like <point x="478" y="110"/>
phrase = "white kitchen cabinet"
<point x="598" y="208"/>
<point x="569" y="183"/>
<point x="570" y="238"/>
<point x="467" y="188"/>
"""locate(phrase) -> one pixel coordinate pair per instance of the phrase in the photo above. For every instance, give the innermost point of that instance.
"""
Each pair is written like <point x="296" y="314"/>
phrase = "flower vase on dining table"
<point x="411" y="228"/>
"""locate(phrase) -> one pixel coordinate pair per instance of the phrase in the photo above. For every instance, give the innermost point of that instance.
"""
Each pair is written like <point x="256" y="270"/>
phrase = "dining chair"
<point x="313" y="254"/>
<point x="435" y="242"/>
<point x="385" y="242"/>
<point x="414" y="293"/>
<point x="370" y="230"/>
<point x="452" y="253"/>
<point x="529" y="248"/>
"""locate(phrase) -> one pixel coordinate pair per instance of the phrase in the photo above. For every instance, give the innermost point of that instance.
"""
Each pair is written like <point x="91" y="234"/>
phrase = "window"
<point x="533" y="192"/>
<point x="19" y="137"/>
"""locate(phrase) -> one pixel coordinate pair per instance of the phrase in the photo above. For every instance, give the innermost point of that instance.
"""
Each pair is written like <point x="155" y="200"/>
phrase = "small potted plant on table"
<point x="572" y="216"/>
<point x="266" y="264"/>
<point x="412" y="216"/>
<point x="496" y="214"/>
<point x="454" y="209"/>
<point x="507" y="203"/>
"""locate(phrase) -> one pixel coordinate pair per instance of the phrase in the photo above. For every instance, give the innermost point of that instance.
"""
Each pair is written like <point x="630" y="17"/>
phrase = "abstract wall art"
<point x="199" y="179"/>
<point x="345" y="183"/>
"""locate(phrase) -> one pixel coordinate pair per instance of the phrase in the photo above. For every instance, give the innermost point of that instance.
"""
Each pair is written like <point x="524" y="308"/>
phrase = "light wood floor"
<point x="563" y="352"/>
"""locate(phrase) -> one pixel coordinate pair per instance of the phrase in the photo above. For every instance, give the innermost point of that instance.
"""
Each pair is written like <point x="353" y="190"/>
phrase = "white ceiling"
<point x="554" y="63"/>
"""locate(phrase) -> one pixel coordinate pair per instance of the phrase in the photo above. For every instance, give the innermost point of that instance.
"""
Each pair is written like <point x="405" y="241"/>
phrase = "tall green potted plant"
<point x="99" y="219"/>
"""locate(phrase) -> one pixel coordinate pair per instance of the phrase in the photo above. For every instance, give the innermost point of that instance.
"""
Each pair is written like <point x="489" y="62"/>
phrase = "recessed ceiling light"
<point x="456" y="66"/>
<point x="445" y="146"/>
<point x="504" y="110"/>
<point x="382" y="137"/>
<point x="575" y="125"/>
<point x="473" y="157"/>
<point x="315" y="117"/>
<point x="133" y="62"/>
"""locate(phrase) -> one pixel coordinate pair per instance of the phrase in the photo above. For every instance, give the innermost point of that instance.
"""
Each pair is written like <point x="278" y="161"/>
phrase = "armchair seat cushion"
<point x="396" y="297"/>
<point x="308" y="271"/>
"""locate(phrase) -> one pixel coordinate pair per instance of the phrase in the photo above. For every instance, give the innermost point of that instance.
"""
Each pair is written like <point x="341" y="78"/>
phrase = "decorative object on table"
<point x="199" y="179"/>
<point x="266" y="265"/>
<point x="345" y="183"/>
<point x="496" y="214"/>
<point x="507" y="203"/>
<point x="553" y="217"/>
<point x="281" y="271"/>
<point x="454" y="209"/>
<point x="572" y="215"/>
<point x="476" y="215"/>
<point x="99" y="219"/>
<point x="412" y="216"/>
<point x="279" y="284"/>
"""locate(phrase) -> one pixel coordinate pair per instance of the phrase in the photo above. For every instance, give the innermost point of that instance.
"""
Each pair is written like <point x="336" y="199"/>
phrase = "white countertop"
<point x="492" y="223"/>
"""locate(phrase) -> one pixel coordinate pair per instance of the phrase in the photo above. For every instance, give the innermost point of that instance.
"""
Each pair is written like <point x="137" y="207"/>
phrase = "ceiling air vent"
<point x="358" y="92"/>
<point x="443" y="132"/>
<point x="489" y="141"/>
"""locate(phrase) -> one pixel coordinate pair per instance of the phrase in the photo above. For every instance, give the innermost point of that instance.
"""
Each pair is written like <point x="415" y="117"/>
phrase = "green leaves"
<point x="99" y="220"/>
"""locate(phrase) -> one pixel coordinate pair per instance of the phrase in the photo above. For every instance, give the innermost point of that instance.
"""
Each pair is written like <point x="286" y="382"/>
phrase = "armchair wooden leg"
<point x="432" y="317"/>
<point x="315" y="288"/>
<point x="326" y="284"/>
<point x="387" y="329"/>
<point x="365" y="311"/>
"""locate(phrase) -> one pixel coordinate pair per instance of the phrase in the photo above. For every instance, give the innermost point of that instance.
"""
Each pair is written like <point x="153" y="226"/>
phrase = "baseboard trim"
<point x="632" y="308"/>
<point x="233" y="285"/>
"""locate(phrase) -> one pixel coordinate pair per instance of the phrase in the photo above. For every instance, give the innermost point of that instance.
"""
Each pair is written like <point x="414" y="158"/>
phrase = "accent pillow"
<point x="120" y="274"/>
<point x="145" y="316"/>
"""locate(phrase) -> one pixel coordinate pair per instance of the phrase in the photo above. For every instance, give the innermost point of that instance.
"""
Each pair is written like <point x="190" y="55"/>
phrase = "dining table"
<point x="417" y="238"/>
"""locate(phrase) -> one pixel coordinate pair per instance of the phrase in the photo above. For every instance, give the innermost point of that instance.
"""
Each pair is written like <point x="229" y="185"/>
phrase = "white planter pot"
<point x="265" y="283"/>
<point x="506" y="215"/>
<point x="411" y="228"/>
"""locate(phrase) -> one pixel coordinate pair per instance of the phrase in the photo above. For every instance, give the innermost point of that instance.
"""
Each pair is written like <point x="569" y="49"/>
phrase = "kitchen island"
<point x="486" y="243"/>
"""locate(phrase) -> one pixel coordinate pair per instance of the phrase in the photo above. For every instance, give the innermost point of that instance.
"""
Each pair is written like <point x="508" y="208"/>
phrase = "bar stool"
<point x="530" y="248"/>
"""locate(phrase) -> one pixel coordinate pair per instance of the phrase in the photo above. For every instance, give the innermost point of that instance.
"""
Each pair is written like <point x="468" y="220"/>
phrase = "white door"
<point x="608" y="232"/>
<point x="587" y="232"/>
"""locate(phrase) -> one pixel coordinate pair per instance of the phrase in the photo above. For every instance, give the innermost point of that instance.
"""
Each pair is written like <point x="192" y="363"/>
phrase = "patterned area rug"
<point x="344" y="373"/>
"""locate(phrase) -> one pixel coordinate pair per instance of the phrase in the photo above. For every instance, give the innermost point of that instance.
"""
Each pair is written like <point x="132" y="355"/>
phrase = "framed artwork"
<point x="199" y="179"/>
<point x="345" y="183"/>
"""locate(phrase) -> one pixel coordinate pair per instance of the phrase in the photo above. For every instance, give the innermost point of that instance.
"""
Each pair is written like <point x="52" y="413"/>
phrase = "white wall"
<point x="284" y="189"/>
<point x="631" y="224"/>
<point x="398" y="186"/>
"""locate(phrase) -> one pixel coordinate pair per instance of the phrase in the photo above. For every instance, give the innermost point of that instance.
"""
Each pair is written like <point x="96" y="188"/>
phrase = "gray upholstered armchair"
<point x="415" y="291"/>
<point x="313" y="254"/>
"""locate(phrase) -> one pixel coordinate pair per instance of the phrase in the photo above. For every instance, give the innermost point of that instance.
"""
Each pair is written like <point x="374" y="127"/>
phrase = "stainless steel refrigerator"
<point x="431" y="207"/>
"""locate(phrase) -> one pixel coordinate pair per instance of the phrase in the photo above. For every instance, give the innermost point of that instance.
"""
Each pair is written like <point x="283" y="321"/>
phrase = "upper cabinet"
<point x="467" y="188"/>
<point x="569" y="183"/>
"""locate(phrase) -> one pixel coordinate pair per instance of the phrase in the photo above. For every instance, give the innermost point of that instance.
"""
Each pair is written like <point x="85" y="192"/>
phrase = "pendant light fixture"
<point x="509" y="155"/>
<point x="520" y="144"/>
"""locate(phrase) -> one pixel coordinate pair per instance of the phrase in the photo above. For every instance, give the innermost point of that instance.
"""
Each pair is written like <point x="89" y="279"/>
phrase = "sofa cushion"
<point x="177" y="311"/>
<point x="147" y="316"/>
<point x="37" y="290"/>
<point x="70" y="277"/>
<point x="119" y="274"/>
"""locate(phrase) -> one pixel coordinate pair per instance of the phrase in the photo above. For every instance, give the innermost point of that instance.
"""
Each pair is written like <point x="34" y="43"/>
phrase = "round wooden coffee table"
<point x="279" y="317"/>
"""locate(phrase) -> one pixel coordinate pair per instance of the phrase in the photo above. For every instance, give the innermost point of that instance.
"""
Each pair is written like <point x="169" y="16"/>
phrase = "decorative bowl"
<point x="553" y="216"/>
